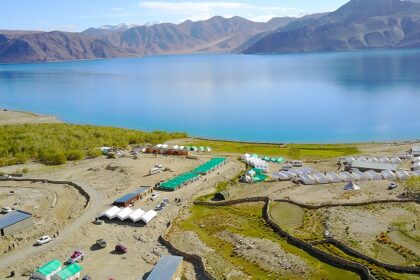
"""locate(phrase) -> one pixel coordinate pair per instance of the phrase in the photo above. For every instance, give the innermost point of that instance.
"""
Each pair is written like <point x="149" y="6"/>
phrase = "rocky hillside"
<point x="360" y="24"/>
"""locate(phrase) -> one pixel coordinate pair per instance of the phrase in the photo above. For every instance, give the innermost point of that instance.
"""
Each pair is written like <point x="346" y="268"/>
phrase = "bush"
<point x="75" y="155"/>
<point x="25" y="170"/>
<point x="94" y="153"/>
<point x="57" y="143"/>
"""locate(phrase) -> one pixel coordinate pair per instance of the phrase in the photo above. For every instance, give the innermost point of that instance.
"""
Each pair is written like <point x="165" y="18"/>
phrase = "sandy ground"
<point x="16" y="117"/>
<point x="52" y="206"/>
<point x="142" y="241"/>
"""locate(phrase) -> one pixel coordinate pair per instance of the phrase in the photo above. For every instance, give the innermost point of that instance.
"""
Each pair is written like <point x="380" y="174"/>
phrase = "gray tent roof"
<point x="364" y="164"/>
<point x="165" y="268"/>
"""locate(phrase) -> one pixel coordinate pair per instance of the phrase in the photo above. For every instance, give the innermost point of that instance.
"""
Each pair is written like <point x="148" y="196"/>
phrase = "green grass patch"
<point x="287" y="215"/>
<point x="291" y="151"/>
<point x="406" y="241"/>
<point x="57" y="143"/>
<point x="388" y="255"/>
<point x="247" y="220"/>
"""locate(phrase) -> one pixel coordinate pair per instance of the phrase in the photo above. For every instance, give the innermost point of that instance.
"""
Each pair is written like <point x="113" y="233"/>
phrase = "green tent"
<point x="266" y="158"/>
<point x="254" y="156"/>
<point x="70" y="271"/>
<point x="280" y="160"/>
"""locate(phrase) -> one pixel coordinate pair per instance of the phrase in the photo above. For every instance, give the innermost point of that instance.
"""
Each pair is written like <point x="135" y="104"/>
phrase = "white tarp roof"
<point x="148" y="216"/>
<point x="112" y="212"/>
<point x="388" y="175"/>
<point x="373" y="175"/>
<point x="334" y="177"/>
<point x="124" y="213"/>
<point x="396" y="160"/>
<point x="136" y="215"/>
<point x="347" y="176"/>
<point x="360" y="175"/>
<point x="351" y="187"/>
<point x="320" y="178"/>
<point x="416" y="173"/>
<point x="282" y="175"/>
<point x="402" y="175"/>
<point x="306" y="179"/>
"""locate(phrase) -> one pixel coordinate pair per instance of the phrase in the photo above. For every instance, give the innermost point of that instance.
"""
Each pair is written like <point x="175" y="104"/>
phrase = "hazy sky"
<point x="76" y="15"/>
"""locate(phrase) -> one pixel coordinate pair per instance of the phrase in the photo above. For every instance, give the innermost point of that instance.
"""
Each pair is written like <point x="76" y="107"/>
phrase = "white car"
<point x="44" y="240"/>
<point x="154" y="196"/>
<point x="6" y="210"/>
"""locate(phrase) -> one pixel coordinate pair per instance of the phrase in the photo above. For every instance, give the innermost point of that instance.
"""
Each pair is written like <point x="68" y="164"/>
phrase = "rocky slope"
<point x="360" y="24"/>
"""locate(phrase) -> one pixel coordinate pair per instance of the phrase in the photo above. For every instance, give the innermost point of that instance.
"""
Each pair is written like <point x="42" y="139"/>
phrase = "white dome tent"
<point x="351" y="187"/>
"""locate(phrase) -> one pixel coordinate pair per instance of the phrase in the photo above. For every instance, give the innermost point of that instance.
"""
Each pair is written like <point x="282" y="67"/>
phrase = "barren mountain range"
<point x="359" y="24"/>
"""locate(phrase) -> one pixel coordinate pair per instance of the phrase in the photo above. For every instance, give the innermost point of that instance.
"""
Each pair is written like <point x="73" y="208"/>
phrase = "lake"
<point x="318" y="97"/>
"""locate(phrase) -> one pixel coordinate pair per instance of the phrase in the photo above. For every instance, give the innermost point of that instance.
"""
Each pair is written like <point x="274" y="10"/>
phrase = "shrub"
<point x="94" y="153"/>
<point x="75" y="155"/>
<point x="25" y="170"/>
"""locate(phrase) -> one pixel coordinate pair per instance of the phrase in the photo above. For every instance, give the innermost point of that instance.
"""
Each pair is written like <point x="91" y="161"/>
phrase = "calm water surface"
<point x="327" y="97"/>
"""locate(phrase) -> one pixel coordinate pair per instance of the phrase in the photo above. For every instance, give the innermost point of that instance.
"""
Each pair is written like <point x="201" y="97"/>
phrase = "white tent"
<point x="181" y="147"/>
<point x="124" y="213"/>
<point x="334" y="177"/>
<point x="402" y="175"/>
<point x="347" y="177"/>
<point x="307" y="179"/>
<point x="388" y="175"/>
<point x="165" y="146"/>
<point x="360" y="176"/>
<point x="416" y="165"/>
<point x="148" y="216"/>
<point x="136" y="215"/>
<point x="176" y="147"/>
<point x="320" y="178"/>
<point x="384" y="159"/>
<point x="208" y="149"/>
<point x="416" y="173"/>
<point x="351" y="187"/>
<point x="282" y="175"/>
<point x="373" y="175"/>
<point x="112" y="212"/>
<point x="159" y="146"/>
<point x="349" y="160"/>
<point x="396" y="160"/>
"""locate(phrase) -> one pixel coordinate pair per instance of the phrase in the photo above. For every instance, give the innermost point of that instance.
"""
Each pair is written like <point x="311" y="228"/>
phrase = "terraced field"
<point x="287" y="215"/>
<point x="406" y="241"/>
<point x="388" y="255"/>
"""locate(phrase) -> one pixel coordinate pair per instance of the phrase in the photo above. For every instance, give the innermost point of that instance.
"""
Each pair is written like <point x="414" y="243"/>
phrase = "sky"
<point x="78" y="15"/>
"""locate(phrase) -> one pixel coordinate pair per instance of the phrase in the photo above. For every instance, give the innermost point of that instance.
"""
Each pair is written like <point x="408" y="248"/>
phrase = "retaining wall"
<point x="79" y="188"/>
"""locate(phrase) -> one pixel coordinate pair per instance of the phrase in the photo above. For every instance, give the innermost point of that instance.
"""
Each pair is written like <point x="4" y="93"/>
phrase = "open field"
<point x="16" y="117"/>
<point x="213" y="224"/>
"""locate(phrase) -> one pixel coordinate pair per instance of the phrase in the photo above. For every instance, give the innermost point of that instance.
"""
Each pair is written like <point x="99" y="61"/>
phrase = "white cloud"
<point x="205" y="10"/>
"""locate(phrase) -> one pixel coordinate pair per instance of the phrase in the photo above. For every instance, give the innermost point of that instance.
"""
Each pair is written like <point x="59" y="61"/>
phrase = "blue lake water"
<point x="321" y="97"/>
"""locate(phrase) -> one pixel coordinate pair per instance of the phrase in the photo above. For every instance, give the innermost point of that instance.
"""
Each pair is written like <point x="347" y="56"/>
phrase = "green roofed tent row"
<point x="192" y="176"/>
<point x="47" y="270"/>
<point x="71" y="272"/>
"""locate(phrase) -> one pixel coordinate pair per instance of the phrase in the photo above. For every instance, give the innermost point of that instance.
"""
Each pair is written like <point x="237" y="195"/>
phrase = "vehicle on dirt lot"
<point x="121" y="249"/>
<point x="6" y="210"/>
<point x="101" y="243"/>
<point x="286" y="167"/>
<point x="87" y="277"/>
<point x="392" y="186"/>
<point x="44" y="240"/>
<point x="76" y="257"/>
<point x="154" y="196"/>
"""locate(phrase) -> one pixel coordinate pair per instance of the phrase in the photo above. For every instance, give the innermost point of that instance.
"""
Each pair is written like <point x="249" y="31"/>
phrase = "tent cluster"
<point x="255" y="161"/>
<point x="185" y="148"/>
<point x="332" y="177"/>
<point x="189" y="177"/>
<point x="53" y="271"/>
<point x="394" y="160"/>
<point x="254" y="176"/>
<point x="128" y="214"/>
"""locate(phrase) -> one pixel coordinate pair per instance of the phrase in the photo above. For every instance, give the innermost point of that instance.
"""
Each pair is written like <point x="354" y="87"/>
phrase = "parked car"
<point x="286" y="167"/>
<point x="297" y="163"/>
<point x="76" y="257"/>
<point x="87" y="277"/>
<point x="154" y="196"/>
<point x="44" y="240"/>
<point x="6" y="210"/>
<point x="121" y="249"/>
<point x="101" y="243"/>
<point x="392" y="186"/>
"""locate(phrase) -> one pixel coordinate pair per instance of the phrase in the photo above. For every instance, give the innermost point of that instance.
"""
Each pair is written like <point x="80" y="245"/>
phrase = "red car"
<point x="76" y="257"/>
<point x="121" y="249"/>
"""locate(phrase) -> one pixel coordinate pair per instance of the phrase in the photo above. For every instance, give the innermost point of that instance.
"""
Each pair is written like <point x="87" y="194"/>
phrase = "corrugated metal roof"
<point x="130" y="196"/>
<point x="13" y="218"/>
<point x="364" y="164"/>
<point x="165" y="268"/>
